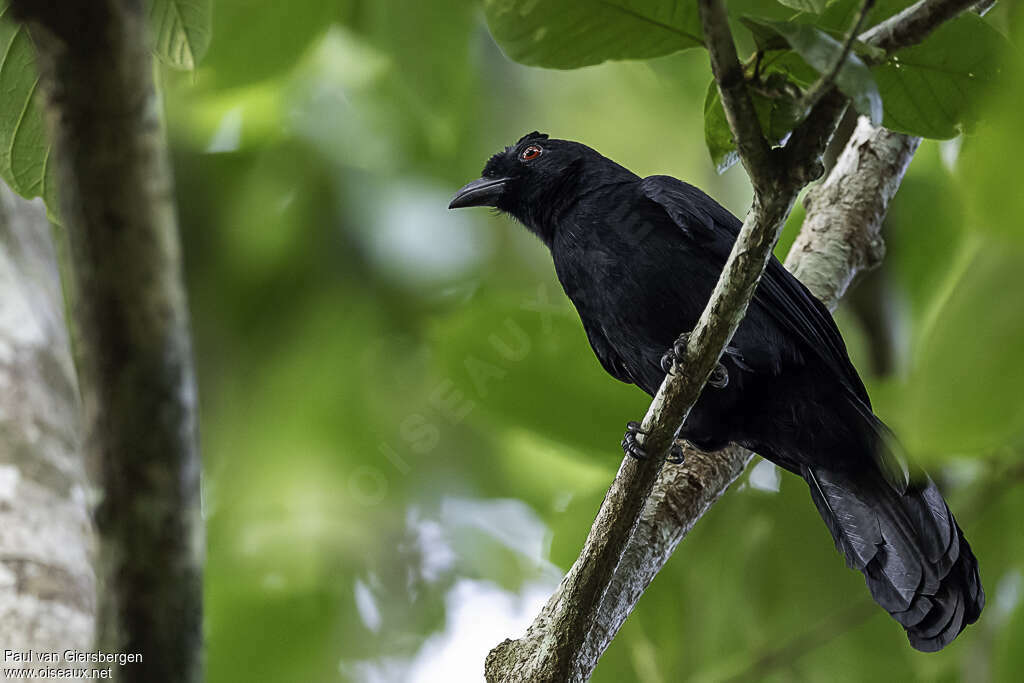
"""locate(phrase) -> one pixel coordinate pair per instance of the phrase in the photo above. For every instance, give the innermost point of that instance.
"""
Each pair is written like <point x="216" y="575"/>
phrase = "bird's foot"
<point x="632" y="447"/>
<point x="719" y="378"/>
<point x="673" y="357"/>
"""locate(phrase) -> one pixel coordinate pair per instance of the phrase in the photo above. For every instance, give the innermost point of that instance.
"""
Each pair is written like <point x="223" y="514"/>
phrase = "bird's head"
<point x="534" y="179"/>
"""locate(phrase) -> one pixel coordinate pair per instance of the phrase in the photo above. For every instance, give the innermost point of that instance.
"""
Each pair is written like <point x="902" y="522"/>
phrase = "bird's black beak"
<point x="482" y="192"/>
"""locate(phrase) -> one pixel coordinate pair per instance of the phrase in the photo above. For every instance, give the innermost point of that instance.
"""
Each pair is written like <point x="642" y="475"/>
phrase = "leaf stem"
<point x="828" y="80"/>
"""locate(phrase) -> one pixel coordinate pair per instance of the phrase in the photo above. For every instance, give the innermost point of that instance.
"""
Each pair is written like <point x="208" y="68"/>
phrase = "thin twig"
<point x="828" y="80"/>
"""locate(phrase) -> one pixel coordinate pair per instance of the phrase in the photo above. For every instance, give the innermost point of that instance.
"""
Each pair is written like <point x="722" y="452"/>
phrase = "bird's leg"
<point x="633" y="449"/>
<point x="670" y="360"/>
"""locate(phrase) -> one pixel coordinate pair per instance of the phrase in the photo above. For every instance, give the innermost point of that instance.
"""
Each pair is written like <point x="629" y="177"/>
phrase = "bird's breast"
<point x="642" y="293"/>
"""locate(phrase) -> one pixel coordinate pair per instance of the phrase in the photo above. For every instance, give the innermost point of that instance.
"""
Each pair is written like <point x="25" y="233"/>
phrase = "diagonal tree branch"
<point x="648" y="510"/>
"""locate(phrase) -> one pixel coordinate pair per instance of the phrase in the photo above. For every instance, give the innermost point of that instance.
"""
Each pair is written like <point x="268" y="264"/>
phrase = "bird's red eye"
<point x="531" y="153"/>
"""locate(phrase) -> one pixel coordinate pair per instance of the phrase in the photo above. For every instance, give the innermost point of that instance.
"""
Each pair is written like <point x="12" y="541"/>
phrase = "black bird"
<point x="639" y="258"/>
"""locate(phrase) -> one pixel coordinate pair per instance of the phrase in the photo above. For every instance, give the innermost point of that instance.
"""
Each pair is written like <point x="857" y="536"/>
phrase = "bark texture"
<point x="842" y="227"/>
<point x="47" y="586"/>
<point x="131" y="328"/>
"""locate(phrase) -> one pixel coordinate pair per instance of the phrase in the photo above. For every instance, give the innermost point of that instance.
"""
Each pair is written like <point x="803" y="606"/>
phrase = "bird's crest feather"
<point x="532" y="136"/>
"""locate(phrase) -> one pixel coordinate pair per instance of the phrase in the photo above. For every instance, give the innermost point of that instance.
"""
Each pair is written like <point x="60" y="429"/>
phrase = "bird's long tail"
<point x="916" y="561"/>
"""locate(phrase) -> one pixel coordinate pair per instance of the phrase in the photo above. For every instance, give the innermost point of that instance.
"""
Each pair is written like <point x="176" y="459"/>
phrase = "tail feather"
<point x="913" y="555"/>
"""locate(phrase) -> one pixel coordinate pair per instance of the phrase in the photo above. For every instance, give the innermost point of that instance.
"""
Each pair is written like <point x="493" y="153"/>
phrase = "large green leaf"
<point x="821" y="51"/>
<point x="180" y="31"/>
<point x="24" y="151"/>
<point x="566" y="34"/>
<point x="181" y="34"/>
<point x="933" y="89"/>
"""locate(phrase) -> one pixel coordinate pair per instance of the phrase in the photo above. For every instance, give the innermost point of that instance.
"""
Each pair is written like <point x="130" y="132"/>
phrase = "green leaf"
<point x="766" y="38"/>
<point x="717" y="134"/>
<point x="180" y="31"/>
<point x="812" y="6"/>
<point x="24" y="150"/>
<point x="933" y="89"/>
<point x="567" y="34"/>
<point x="777" y="114"/>
<point x="821" y="51"/>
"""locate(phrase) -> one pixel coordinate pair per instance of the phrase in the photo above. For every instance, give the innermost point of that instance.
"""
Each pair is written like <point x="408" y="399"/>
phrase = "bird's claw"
<point x="674" y="356"/>
<point x="679" y="346"/>
<point x="630" y="446"/>
<point x="719" y="378"/>
<point x="668" y="362"/>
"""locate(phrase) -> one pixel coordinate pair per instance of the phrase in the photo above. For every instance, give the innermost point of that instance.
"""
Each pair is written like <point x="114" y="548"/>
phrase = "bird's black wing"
<point x="779" y="293"/>
<point x="611" y="361"/>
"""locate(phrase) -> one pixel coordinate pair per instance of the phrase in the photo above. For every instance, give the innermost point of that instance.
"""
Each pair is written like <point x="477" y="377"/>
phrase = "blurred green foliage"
<point x="405" y="433"/>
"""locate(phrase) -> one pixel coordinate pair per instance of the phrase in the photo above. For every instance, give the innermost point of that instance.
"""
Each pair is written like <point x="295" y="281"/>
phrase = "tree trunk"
<point x="47" y="586"/>
<point x="133" y="350"/>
